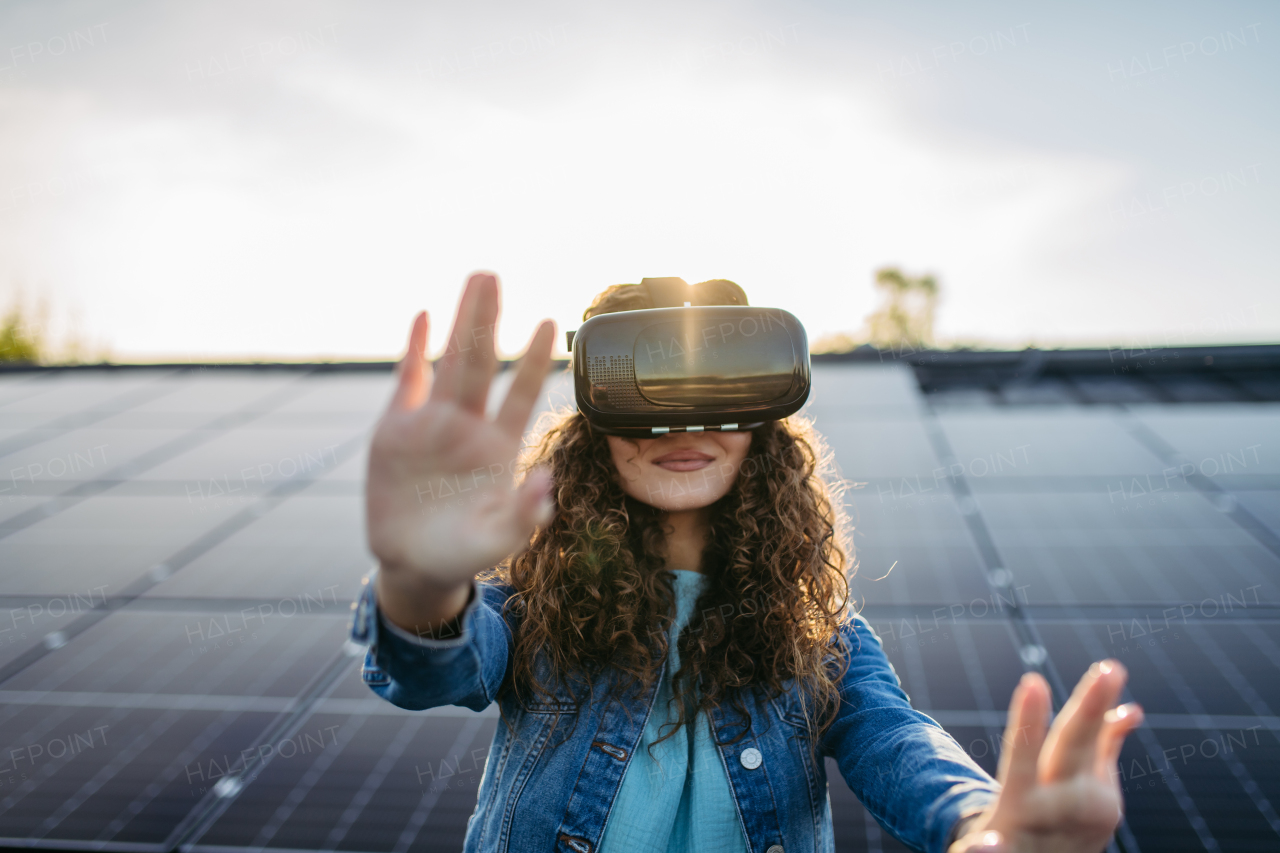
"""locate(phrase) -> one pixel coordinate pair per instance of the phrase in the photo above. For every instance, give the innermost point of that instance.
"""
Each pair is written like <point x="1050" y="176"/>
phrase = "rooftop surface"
<point x="180" y="547"/>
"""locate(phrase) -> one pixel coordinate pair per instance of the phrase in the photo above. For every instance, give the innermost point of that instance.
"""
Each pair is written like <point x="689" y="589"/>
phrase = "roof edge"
<point x="1180" y="358"/>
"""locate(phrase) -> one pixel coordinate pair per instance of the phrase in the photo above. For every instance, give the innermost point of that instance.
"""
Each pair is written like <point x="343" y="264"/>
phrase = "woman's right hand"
<point x="439" y="498"/>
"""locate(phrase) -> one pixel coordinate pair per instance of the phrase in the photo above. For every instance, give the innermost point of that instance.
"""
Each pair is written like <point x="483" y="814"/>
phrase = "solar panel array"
<point x="180" y="549"/>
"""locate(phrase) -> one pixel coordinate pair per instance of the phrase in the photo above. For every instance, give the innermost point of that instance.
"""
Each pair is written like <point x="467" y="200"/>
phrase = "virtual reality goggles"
<point x="688" y="367"/>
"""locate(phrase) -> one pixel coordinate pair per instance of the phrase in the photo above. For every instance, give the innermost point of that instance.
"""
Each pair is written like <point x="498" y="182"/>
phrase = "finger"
<point x="413" y="381"/>
<point x="464" y="370"/>
<point x="1117" y="724"/>
<point x="476" y="359"/>
<point x="476" y="371"/>
<point x="980" y="842"/>
<point x="518" y="513"/>
<point x="525" y="389"/>
<point x="534" y="504"/>
<point x="1072" y="744"/>
<point x="445" y="384"/>
<point x="1023" y="739"/>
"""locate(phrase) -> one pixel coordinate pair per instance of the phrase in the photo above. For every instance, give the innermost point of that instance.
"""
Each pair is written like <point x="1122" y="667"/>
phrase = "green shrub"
<point x="20" y="337"/>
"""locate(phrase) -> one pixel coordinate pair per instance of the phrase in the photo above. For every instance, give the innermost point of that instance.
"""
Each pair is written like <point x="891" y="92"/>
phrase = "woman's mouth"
<point x="684" y="460"/>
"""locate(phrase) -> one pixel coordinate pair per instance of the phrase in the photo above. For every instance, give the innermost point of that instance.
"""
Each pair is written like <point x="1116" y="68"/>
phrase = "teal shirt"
<point x="679" y="801"/>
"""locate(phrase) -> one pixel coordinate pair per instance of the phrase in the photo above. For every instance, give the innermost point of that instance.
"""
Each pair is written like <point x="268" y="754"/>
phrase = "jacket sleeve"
<point x="421" y="672"/>
<point x="908" y="772"/>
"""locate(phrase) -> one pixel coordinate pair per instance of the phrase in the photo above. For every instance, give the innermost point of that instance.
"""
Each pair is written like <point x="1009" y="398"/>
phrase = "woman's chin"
<point x="684" y="504"/>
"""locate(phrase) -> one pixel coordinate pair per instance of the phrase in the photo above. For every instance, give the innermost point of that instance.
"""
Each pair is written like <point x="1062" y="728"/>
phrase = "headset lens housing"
<point x="649" y="372"/>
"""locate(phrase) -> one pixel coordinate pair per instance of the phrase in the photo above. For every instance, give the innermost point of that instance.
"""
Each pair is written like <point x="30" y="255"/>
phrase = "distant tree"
<point x="904" y="319"/>
<point x="20" y="335"/>
<point x="835" y="342"/>
<point x="25" y="335"/>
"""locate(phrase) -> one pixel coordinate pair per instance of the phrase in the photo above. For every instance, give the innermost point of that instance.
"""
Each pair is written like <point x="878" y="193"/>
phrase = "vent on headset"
<point x="613" y="377"/>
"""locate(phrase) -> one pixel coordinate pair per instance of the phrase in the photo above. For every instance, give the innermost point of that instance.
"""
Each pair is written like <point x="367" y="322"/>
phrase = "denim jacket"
<point x="552" y="774"/>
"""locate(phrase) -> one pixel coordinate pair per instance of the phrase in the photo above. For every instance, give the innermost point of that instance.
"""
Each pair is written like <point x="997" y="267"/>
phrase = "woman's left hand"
<point x="1061" y="789"/>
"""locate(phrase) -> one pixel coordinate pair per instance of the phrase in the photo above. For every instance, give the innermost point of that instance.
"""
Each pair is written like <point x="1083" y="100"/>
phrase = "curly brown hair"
<point x="592" y="593"/>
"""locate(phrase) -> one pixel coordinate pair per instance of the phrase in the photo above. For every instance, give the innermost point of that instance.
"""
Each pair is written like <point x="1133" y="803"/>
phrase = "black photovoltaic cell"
<point x="60" y="459"/>
<point x="302" y="549"/>
<point x="951" y="662"/>
<point x="212" y="392"/>
<point x="1225" y="439"/>
<point x="1089" y="548"/>
<point x="1044" y="441"/>
<point x="255" y="648"/>
<point x="408" y="782"/>
<point x="881" y="449"/>
<point x="890" y="572"/>
<point x="254" y="457"/>
<point x="43" y="399"/>
<point x="25" y="621"/>
<point x="133" y="775"/>
<point x="364" y="394"/>
<point x="912" y="547"/>
<point x="862" y="391"/>
<point x="240" y="652"/>
<point x="105" y="542"/>
<point x="1263" y="504"/>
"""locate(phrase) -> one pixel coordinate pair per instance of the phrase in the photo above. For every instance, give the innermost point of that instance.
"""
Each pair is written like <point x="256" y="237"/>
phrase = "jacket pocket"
<point x="790" y="708"/>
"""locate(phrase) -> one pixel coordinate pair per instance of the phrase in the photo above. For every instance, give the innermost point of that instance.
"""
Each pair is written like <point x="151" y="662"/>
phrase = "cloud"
<point x="296" y="181"/>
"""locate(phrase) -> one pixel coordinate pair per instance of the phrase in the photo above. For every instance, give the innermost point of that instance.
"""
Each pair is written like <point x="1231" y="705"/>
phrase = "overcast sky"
<point x="259" y="179"/>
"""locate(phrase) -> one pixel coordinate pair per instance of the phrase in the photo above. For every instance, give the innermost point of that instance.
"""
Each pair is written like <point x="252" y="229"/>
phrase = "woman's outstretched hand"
<point x="1061" y="791"/>
<point x="439" y="499"/>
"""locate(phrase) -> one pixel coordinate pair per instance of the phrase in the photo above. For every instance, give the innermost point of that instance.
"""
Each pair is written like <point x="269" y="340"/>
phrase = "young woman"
<point x="668" y="635"/>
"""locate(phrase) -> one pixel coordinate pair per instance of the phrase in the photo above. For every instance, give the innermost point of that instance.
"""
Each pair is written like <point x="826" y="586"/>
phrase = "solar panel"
<point x="301" y="550"/>
<point x="881" y="449"/>
<point x="183" y="648"/>
<point x="1264" y="504"/>
<point x="1043" y="442"/>
<point x="365" y="394"/>
<point x="45" y="461"/>
<point x="43" y="399"/>
<point x="254" y="457"/>
<point x="1084" y="548"/>
<point x="104" y="542"/>
<point x="215" y="392"/>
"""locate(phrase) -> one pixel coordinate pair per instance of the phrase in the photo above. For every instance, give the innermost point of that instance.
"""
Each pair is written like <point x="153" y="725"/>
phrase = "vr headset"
<point x="688" y="367"/>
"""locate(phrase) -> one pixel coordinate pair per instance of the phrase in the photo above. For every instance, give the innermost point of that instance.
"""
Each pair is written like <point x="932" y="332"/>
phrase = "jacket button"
<point x="751" y="759"/>
<point x="774" y="848"/>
